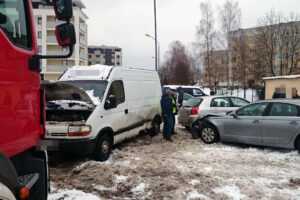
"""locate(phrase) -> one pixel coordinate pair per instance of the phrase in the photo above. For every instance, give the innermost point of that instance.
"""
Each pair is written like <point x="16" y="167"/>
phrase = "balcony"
<point x="97" y="59"/>
<point x="51" y="40"/>
<point x="82" y="56"/>
<point x="56" y="69"/>
<point x="52" y="25"/>
<point x="60" y="53"/>
<point x="82" y="28"/>
<point x="82" y="42"/>
<point x="97" y="52"/>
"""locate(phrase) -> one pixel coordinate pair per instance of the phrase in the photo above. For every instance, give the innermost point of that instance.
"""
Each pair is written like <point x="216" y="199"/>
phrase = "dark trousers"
<point x="168" y="124"/>
<point x="174" y="121"/>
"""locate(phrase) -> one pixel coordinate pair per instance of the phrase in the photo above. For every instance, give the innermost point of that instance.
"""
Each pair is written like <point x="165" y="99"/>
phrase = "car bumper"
<point x="187" y="121"/>
<point x="74" y="146"/>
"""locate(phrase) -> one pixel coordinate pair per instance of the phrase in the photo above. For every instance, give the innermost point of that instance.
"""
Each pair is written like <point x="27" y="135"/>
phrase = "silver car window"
<point x="282" y="109"/>
<point x="253" y="110"/>
<point x="238" y="102"/>
<point x="220" y="102"/>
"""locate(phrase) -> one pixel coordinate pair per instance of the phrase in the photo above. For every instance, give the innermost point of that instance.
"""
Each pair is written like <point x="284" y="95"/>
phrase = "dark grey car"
<point x="269" y="123"/>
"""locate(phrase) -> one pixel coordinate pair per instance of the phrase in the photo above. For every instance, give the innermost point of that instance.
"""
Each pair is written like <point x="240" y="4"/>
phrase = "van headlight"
<point x="79" y="130"/>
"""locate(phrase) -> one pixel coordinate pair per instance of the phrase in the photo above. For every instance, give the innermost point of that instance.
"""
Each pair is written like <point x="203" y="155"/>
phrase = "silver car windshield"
<point x="193" y="102"/>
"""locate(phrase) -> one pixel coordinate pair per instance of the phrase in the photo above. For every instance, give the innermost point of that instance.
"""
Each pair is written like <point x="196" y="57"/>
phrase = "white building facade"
<point x="45" y="23"/>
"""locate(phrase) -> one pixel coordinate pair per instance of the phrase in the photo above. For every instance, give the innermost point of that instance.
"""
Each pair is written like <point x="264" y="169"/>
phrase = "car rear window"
<point x="193" y="102"/>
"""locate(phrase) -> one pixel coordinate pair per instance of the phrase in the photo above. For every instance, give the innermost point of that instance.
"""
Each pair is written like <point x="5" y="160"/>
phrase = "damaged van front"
<point x="69" y="105"/>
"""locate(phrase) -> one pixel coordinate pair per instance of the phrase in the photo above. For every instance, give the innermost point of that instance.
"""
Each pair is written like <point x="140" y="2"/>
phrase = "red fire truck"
<point x="23" y="163"/>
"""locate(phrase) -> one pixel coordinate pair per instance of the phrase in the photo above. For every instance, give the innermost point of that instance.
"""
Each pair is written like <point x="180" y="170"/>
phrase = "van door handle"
<point x="255" y="121"/>
<point x="126" y="111"/>
<point x="293" y="123"/>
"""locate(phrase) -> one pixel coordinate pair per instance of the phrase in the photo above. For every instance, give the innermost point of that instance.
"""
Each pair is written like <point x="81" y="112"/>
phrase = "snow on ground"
<point x="151" y="168"/>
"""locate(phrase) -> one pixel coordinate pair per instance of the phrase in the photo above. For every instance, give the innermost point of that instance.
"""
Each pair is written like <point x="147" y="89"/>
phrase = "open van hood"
<point x="64" y="91"/>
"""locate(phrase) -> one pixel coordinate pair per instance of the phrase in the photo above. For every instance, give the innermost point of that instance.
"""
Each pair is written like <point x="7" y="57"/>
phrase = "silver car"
<point x="273" y="123"/>
<point x="196" y="108"/>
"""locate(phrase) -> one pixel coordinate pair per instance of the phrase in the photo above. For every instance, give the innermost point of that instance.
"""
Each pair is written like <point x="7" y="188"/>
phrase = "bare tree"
<point x="230" y="18"/>
<point x="176" y="68"/>
<point x="242" y="66"/>
<point x="206" y="36"/>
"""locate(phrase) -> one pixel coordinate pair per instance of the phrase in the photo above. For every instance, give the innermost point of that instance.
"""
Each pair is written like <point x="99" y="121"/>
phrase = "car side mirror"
<point x="63" y="9"/>
<point x="3" y="19"/>
<point x="65" y="34"/>
<point x="111" y="102"/>
<point x="233" y="115"/>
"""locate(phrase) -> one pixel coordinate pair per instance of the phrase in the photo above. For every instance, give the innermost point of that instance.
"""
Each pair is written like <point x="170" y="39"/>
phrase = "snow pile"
<point x="72" y="195"/>
<point x="194" y="195"/>
<point x="96" y="100"/>
<point x="69" y="105"/>
<point x="231" y="191"/>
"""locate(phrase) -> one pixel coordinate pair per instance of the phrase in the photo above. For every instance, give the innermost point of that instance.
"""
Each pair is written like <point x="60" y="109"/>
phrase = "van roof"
<point x="94" y="72"/>
<point x="183" y="86"/>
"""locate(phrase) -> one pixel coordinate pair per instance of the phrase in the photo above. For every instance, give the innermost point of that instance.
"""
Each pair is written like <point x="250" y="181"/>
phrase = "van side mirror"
<point x="65" y="34"/>
<point x="111" y="102"/>
<point x="63" y="9"/>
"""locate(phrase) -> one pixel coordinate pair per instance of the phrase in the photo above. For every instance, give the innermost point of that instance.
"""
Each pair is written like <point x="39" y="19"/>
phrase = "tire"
<point x="6" y="193"/>
<point x="155" y="130"/>
<point x="298" y="144"/>
<point x="209" y="134"/>
<point x="187" y="128"/>
<point x="103" y="147"/>
<point x="195" y="133"/>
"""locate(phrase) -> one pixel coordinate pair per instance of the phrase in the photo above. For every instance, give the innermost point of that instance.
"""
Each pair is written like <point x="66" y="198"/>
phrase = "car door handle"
<point x="126" y="111"/>
<point x="255" y="121"/>
<point x="293" y="123"/>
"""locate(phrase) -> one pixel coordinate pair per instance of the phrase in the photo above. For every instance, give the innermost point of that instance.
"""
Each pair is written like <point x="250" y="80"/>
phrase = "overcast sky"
<point x="124" y="23"/>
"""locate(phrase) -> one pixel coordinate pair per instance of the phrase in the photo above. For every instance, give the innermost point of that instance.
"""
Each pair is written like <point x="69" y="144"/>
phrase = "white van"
<point x="89" y="109"/>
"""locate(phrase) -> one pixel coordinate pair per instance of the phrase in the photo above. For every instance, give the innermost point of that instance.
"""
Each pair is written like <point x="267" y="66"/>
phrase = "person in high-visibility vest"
<point x="174" y="111"/>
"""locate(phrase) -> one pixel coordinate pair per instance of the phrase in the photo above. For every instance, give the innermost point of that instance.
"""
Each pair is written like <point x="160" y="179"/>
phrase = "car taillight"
<point x="194" y="111"/>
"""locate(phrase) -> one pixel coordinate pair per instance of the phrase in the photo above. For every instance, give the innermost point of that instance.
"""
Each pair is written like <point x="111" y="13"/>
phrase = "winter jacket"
<point x="166" y="105"/>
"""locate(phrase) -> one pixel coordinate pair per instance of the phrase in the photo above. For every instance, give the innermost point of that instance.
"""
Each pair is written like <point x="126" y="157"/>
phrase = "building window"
<point x="90" y="63"/>
<point x="41" y="5"/>
<point x="118" y="56"/>
<point x="90" y="56"/>
<point x="40" y="34"/>
<point x="39" y="20"/>
<point x="65" y="63"/>
<point x="118" y="63"/>
<point x="97" y="56"/>
<point x="40" y="48"/>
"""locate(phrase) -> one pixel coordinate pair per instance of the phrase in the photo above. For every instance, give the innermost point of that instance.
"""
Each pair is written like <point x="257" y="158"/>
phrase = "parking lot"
<point x="151" y="168"/>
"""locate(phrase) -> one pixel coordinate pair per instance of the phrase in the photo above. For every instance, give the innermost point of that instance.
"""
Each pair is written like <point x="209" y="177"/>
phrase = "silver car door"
<point x="245" y="127"/>
<point x="280" y="127"/>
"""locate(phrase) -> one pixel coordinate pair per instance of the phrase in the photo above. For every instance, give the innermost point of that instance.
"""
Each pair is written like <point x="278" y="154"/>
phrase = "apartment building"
<point x="258" y="52"/>
<point x="105" y="55"/>
<point x="45" y="23"/>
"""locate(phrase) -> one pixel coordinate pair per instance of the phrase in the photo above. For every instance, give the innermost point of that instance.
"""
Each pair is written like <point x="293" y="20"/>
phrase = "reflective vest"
<point x="174" y="105"/>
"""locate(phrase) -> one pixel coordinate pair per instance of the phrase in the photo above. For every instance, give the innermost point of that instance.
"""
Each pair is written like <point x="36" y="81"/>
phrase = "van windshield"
<point x="193" y="102"/>
<point x="95" y="89"/>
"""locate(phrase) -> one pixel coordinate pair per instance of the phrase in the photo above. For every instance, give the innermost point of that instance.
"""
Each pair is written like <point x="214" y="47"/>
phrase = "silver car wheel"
<point x="208" y="134"/>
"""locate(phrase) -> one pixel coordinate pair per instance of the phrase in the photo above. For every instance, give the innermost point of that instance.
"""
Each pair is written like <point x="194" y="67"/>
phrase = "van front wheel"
<point x="103" y="147"/>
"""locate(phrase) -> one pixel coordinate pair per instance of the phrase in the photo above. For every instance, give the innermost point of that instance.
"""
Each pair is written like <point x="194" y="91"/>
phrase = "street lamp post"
<point x="157" y="51"/>
<point x="156" y="64"/>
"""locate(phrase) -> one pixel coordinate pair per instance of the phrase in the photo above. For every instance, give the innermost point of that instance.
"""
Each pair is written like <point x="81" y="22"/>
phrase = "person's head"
<point x="170" y="92"/>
